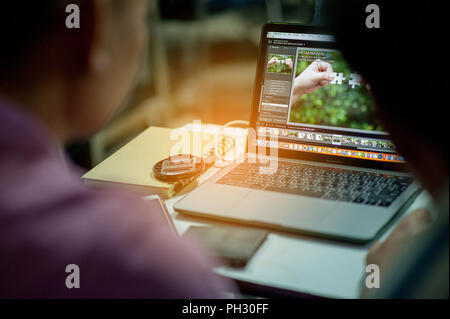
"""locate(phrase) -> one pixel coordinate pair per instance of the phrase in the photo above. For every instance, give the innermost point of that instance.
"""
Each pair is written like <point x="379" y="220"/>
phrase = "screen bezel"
<point x="259" y="80"/>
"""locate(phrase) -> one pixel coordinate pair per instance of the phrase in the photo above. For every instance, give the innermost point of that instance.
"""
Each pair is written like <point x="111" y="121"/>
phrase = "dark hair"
<point x="405" y="60"/>
<point x="22" y="23"/>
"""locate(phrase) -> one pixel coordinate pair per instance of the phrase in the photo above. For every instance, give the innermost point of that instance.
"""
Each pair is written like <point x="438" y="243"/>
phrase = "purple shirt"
<point x="49" y="219"/>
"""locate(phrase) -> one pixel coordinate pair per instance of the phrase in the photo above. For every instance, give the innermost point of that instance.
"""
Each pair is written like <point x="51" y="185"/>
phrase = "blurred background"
<point x="200" y="65"/>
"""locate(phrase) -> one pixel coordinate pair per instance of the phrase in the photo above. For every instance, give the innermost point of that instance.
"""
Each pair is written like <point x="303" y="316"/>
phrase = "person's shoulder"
<point x="123" y="247"/>
<point x="135" y="239"/>
<point x="175" y="267"/>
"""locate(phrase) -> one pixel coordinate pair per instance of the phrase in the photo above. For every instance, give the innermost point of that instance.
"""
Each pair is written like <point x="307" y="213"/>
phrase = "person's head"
<point x="72" y="79"/>
<point x="406" y="64"/>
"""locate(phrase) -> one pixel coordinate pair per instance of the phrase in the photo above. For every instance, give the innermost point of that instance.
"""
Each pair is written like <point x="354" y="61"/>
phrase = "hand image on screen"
<point x="289" y="63"/>
<point x="273" y="61"/>
<point x="318" y="74"/>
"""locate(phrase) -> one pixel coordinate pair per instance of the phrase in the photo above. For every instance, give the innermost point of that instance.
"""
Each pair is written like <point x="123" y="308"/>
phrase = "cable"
<point x="237" y="122"/>
<point x="188" y="167"/>
<point x="223" y="144"/>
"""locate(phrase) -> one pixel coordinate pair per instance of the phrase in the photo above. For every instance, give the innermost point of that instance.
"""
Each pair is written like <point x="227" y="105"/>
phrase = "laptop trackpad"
<point x="282" y="209"/>
<point x="216" y="199"/>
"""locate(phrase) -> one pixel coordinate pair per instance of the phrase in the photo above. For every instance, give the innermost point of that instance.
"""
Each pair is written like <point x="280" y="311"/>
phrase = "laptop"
<point x="317" y="160"/>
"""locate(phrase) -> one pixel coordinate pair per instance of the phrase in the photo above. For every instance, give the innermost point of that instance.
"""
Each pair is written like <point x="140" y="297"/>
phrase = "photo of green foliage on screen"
<point x="338" y="105"/>
<point x="280" y="66"/>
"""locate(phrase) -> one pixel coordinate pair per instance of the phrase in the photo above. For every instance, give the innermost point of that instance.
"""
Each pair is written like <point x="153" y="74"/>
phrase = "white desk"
<point x="303" y="264"/>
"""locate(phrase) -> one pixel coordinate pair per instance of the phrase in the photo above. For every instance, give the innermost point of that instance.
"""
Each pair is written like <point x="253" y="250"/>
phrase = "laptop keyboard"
<point x="335" y="184"/>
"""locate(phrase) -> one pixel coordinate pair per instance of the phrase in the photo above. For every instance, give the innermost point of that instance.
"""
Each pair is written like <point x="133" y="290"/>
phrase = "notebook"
<point x="131" y="167"/>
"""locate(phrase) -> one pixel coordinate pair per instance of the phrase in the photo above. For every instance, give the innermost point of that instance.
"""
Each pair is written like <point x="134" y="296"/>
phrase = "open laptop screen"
<point x="315" y="103"/>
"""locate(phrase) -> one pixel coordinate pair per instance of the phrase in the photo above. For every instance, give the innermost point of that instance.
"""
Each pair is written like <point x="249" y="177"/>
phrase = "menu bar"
<point x="301" y="36"/>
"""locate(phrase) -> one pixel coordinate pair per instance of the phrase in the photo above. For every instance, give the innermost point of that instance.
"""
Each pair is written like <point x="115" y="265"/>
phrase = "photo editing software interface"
<point x="314" y="102"/>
